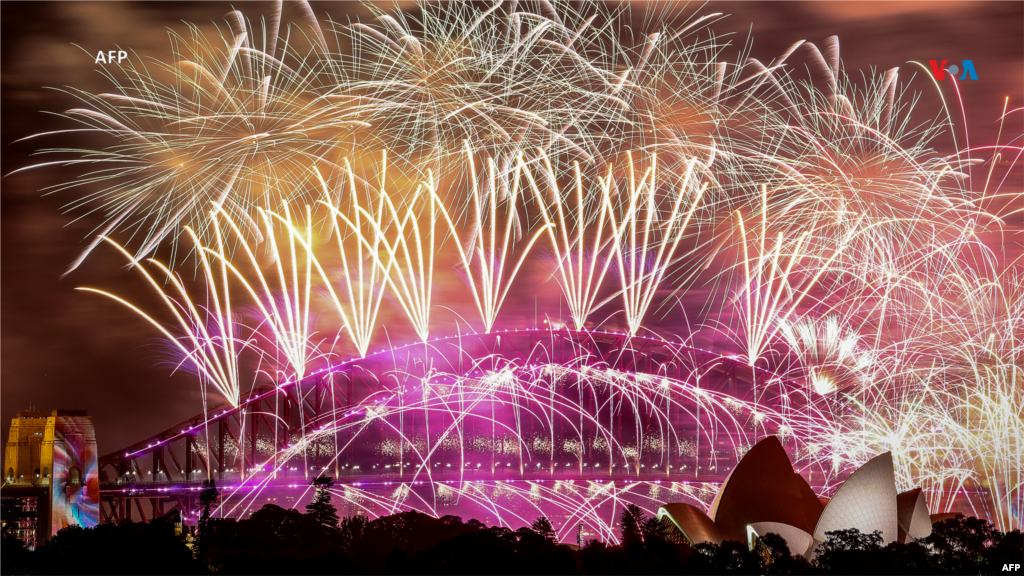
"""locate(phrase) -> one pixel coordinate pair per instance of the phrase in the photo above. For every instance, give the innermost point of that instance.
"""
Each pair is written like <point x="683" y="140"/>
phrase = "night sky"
<point x="66" y="349"/>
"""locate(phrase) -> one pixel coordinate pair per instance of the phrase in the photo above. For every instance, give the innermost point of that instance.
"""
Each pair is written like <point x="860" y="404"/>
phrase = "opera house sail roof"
<point x="912" y="514"/>
<point x="764" y="488"/>
<point x="866" y="501"/>
<point x="691" y="522"/>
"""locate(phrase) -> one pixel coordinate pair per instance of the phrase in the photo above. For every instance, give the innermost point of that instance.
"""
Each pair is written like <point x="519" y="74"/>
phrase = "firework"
<point x="836" y="356"/>
<point x="227" y="122"/>
<point x="236" y="119"/>
<point x="848" y="264"/>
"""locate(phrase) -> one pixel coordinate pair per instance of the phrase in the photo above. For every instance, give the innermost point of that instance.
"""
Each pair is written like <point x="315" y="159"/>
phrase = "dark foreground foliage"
<point x="274" y="540"/>
<point x="126" y="548"/>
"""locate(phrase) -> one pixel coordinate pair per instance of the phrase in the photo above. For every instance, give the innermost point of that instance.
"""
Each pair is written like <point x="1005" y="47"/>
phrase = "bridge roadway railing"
<point x="233" y="481"/>
<point x="145" y="499"/>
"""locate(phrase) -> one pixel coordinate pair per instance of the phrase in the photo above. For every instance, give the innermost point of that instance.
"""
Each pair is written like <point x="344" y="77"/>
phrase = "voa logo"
<point x="939" y="70"/>
<point x="1011" y="567"/>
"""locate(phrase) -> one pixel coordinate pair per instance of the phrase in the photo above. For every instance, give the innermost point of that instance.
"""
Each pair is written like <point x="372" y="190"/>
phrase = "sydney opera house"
<point x="763" y="494"/>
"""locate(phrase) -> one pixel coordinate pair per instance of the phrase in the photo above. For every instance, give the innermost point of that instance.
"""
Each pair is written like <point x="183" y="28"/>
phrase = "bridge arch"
<point x="508" y="406"/>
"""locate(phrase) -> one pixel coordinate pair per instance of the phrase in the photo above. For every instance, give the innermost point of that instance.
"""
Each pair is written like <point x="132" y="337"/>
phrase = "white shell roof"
<point x="866" y="501"/>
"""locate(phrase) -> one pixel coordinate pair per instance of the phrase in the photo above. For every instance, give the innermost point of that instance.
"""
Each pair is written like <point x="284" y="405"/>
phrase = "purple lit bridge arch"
<point x="467" y="422"/>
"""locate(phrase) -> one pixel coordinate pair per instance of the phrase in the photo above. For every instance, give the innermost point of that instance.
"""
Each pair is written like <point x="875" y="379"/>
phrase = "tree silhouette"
<point x="851" y="551"/>
<point x="963" y="544"/>
<point x="543" y="527"/>
<point x="16" y="557"/>
<point x="653" y="529"/>
<point x="407" y="532"/>
<point x="911" y="557"/>
<point x="631" y="523"/>
<point x="352" y="528"/>
<point x="495" y="550"/>
<point x="636" y="525"/>
<point x="321" y="508"/>
<point x="1008" y="549"/>
<point x="776" y="558"/>
<point x="150" y="546"/>
<point x="729" y="557"/>
<point x="276" y="540"/>
<point x="208" y="497"/>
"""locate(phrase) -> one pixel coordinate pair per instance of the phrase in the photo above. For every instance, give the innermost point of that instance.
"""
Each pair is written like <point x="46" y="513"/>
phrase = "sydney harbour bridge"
<point x="502" y="426"/>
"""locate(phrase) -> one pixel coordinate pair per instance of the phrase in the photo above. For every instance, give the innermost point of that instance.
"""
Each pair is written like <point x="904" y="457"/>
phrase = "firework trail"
<point x="210" y="340"/>
<point x="411" y="252"/>
<point x="532" y="398"/>
<point x="283" y="301"/>
<point x="580" y="270"/>
<point x="357" y="288"/>
<point x="646" y="238"/>
<point x="491" y="242"/>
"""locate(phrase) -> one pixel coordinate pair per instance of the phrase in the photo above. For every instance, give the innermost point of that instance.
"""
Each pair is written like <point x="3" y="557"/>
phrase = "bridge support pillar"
<point x="220" y="449"/>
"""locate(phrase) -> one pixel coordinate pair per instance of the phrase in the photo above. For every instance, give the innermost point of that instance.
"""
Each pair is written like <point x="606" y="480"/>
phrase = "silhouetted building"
<point x="51" y="478"/>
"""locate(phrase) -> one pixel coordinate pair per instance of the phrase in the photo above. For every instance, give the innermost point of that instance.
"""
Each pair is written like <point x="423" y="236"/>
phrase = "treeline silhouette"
<point x="275" y="540"/>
